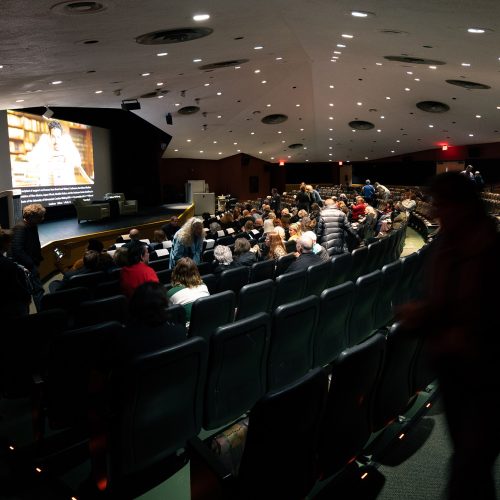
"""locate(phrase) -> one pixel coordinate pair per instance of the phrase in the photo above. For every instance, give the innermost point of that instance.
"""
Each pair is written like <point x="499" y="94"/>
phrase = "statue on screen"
<point x="57" y="159"/>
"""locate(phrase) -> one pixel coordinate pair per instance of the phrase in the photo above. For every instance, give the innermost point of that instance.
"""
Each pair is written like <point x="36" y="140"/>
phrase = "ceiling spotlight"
<point x="48" y="113"/>
<point x="201" y="17"/>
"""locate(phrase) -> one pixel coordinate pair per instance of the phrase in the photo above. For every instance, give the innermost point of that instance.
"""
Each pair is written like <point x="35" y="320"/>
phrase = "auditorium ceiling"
<point x="292" y="80"/>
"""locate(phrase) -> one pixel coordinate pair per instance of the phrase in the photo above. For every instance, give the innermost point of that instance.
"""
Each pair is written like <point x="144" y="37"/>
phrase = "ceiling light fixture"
<point x="360" y="13"/>
<point x="145" y="74"/>
<point x="476" y="30"/>
<point x="56" y="82"/>
<point x="197" y="60"/>
<point x="159" y="84"/>
<point x="258" y="47"/>
<point x="345" y="35"/>
<point x="341" y="46"/>
<point x="201" y="17"/>
<point x="162" y="54"/>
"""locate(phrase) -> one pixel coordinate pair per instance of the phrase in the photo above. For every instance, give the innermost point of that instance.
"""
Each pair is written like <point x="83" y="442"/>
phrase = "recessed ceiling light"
<point x="332" y="86"/>
<point x="302" y="130"/>
<point x="280" y="132"/>
<point x="431" y="126"/>
<point x="471" y="135"/>
<point x="197" y="60"/>
<point x="359" y="103"/>
<point x="279" y="58"/>
<point x="432" y="67"/>
<point x="345" y="35"/>
<point x="330" y="147"/>
<point x="98" y="91"/>
<point x="219" y="93"/>
<point x="417" y="79"/>
<point x="252" y="133"/>
<point x="160" y="96"/>
<point x="268" y="105"/>
<point x="1" y="65"/>
<point x="379" y="130"/>
<point x="388" y="98"/>
<point x="188" y="140"/>
<point x="297" y="105"/>
<point x="238" y="150"/>
<point x="378" y="64"/>
<point x="360" y="13"/>
<point x="145" y="74"/>
<point x="330" y="160"/>
<point x="330" y="104"/>
<point x="260" y="152"/>
<point x="330" y="117"/>
<point x="257" y="71"/>
<point x="382" y="117"/>
<point x="215" y="142"/>
<point x="498" y="107"/>
<point x="283" y="141"/>
<point x="263" y="81"/>
<point x="289" y="156"/>
<point x="335" y="57"/>
<point x="237" y="67"/>
<point x="330" y="154"/>
<point x="337" y="52"/>
<point x="341" y="46"/>
<point x="159" y="84"/>
<point x="219" y="153"/>
<point x="307" y="160"/>
<point x="476" y="30"/>
<point x="235" y="143"/>
<point x="176" y="150"/>
<point x="201" y="17"/>
<point x="330" y="138"/>
<point x="466" y="64"/>
<point x="201" y="150"/>
<point x="161" y="54"/>
<point x="20" y="100"/>
<point x="258" y="47"/>
<point x="272" y="157"/>
<point x="330" y="129"/>
<point x="206" y="84"/>
<point x="56" y="82"/>
<point x="397" y="140"/>
<point x="176" y="104"/>
<point x="478" y="116"/>
<point x="407" y="89"/>
<point x="333" y="60"/>
<point x="219" y="116"/>
<point x="366" y="157"/>
<point x="392" y="150"/>
<point x="409" y="72"/>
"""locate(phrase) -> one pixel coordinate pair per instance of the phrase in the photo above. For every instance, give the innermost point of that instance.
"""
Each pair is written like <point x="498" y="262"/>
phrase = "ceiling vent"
<point x="188" y="110"/>
<point x="433" y="106"/>
<point x="178" y="35"/>
<point x="156" y="93"/>
<point x="223" y="64"/>
<point x="297" y="145"/>
<point x="361" y="125"/>
<point x="78" y="8"/>
<point x="274" y="119"/>
<point x="414" y="60"/>
<point x="468" y="85"/>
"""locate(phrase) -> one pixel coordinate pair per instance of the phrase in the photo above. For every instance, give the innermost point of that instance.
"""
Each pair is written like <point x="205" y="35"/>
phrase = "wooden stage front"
<point x="71" y="237"/>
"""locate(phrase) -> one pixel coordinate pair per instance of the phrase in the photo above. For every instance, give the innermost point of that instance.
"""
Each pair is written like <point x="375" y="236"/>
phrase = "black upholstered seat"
<point x="89" y="280"/>
<point x="359" y="263"/>
<point x="165" y="276"/>
<point x="289" y="287"/>
<point x="347" y="424"/>
<point x="290" y="354"/>
<point x="208" y="313"/>
<point x="160" y="264"/>
<point x="283" y="263"/>
<point x="91" y="312"/>
<point x="69" y="299"/>
<point x="255" y="298"/>
<point x="233" y="279"/>
<point x="331" y="335"/>
<point x="362" y="319"/>
<point x="374" y="261"/>
<point x="107" y="289"/>
<point x="237" y="367"/>
<point x="260" y="271"/>
<point x="391" y="276"/>
<point x="340" y="271"/>
<point x="317" y="278"/>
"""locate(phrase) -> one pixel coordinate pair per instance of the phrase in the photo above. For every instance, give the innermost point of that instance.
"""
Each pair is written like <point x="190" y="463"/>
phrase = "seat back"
<point x="289" y="287"/>
<point x="89" y="280"/>
<point x="176" y="314"/>
<point x="165" y="276"/>
<point x="237" y="366"/>
<point x="359" y="263"/>
<point x="91" y="312"/>
<point x="69" y="299"/>
<point x="374" y="257"/>
<point x="394" y="389"/>
<point x="255" y="298"/>
<point x="73" y="355"/>
<point x="283" y="263"/>
<point x="160" y="264"/>
<point x="362" y="319"/>
<point x="391" y="276"/>
<point x="208" y="255"/>
<point x="331" y="336"/>
<point x="348" y="424"/>
<point x="107" y="289"/>
<point x="233" y="279"/>
<point x="208" y="313"/>
<point x="410" y="268"/>
<point x="260" y="271"/>
<point x="291" y="246"/>
<point x="340" y="271"/>
<point x="159" y="405"/>
<point x="290" y="354"/>
<point x="279" y="459"/>
<point x="212" y="282"/>
<point x="205" y="268"/>
<point x="317" y="278"/>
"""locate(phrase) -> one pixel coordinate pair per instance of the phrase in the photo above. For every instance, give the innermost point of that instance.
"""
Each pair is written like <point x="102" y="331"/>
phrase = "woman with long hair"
<point x="276" y="247"/>
<point x="188" y="242"/>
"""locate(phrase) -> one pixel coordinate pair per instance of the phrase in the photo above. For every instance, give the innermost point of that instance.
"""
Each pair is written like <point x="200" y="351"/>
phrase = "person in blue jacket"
<point x="188" y="242"/>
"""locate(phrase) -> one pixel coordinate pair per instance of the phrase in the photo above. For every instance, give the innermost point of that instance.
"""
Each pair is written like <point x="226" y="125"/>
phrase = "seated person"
<point x="275" y="245"/>
<point x="187" y="285"/>
<point x="159" y="237"/>
<point x="171" y="227"/>
<point x="137" y="271"/>
<point x="317" y="249"/>
<point x="223" y="258"/>
<point x="92" y="244"/>
<point x="91" y="264"/>
<point x="148" y="329"/>
<point x="366" y="226"/>
<point x="244" y="255"/>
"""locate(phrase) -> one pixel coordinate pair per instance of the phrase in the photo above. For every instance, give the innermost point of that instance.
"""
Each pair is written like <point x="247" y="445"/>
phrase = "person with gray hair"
<point x="306" y="256"/>
<point x="188" y="242"/>
<point x="317" y="248"/>
<point x="224" y="259"/>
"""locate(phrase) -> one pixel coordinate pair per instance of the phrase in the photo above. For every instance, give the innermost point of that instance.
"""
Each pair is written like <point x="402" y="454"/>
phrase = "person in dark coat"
<point x="306" y="256"/>
<point x="26" y="249"/>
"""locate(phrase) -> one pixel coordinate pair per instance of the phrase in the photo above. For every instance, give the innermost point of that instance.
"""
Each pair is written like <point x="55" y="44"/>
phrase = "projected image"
<point x="49" y="152"/>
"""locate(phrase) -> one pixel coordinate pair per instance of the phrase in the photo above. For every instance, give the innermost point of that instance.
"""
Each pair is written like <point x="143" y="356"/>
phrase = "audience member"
<point x="91" y="264"/>
<point x="92" y="244"/>
<point x="275" y="202"/>
<point x="171" y="227"/>
<point x="187" y="285"/>
<point x="383" y="193"/>
<point x="223" y="258"/>
<point x="244" y="254"/>
<point x="358" y="209"/>
<point x="15" y="289"/>
<point x="188" y="242"/>
<point x="317" y="249"/>
<point x="159" y="237"/>
<point x="137" y="270"/>
<point x="275" y="245"/>
<point x="368" y="192"/>
<point x="306" y="256"/>
<point x="26" y="249"/>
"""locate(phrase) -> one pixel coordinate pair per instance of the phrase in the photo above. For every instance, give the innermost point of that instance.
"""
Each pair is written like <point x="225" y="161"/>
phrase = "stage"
<point x="57" y="230"/>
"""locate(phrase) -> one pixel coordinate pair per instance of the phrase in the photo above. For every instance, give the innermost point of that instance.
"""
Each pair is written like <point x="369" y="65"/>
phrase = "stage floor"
<point x="68" y="228"/>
